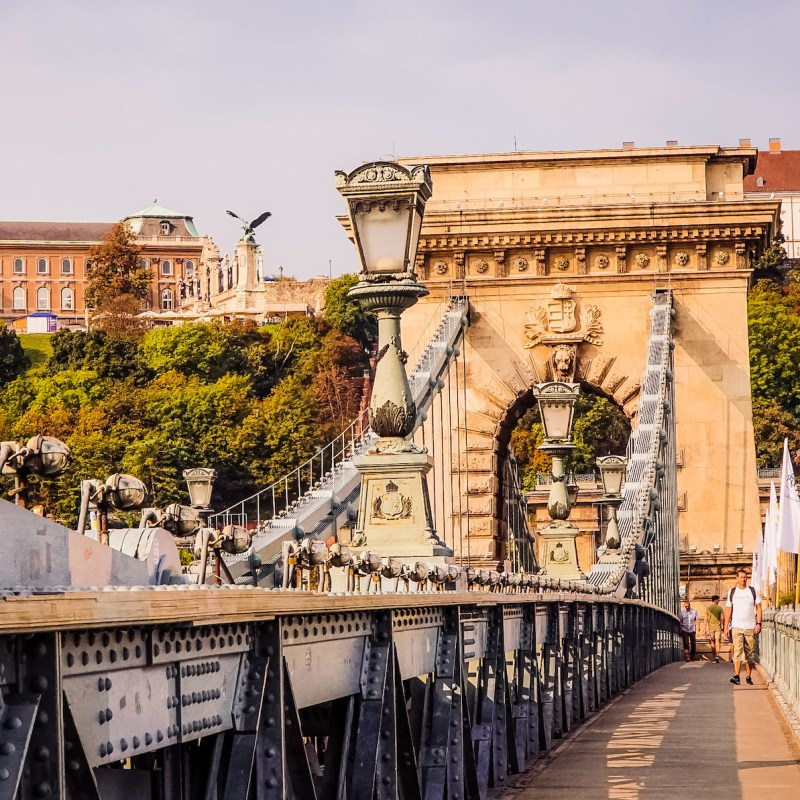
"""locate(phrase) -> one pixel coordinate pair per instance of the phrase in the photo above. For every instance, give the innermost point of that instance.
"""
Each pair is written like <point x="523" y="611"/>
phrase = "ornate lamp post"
<point x="557" y="407"/>
<point x="612" y="474"/>
<point x="385" y="203"/>
<point x="200" y="483"/>
<point x="44" y="456"/>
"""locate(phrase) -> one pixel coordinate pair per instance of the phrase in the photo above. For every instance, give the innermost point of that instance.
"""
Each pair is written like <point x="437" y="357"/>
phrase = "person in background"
<point x="743" y="621"/>
<point x="689" y="630"/>
<point x="714" y="614"/>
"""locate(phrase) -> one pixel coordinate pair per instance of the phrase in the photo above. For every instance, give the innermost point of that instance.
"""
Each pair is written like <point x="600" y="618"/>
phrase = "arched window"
<point x="166" y="299"/>
<point x="41" y="266"/>
<point x="66" y="266"/>
<point x="67" y="299"/>
<point x="166" y="228"/>
<point x="143" y="263"/>
<point x="19" y="299"/>
<point x="189" y="269"/>
<point x="166" y="267"/>
<point x="19" y="266"/>
<point x="43" y="298"/>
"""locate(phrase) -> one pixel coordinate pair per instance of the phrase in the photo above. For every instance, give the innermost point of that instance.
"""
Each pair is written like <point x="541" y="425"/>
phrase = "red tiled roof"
<point x="780" y="171"/>
<point x="54" y="231"/>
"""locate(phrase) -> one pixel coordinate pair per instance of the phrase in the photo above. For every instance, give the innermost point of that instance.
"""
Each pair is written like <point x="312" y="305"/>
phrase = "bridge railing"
<point x="779" y="656"/>
<point x="285" y="694"/>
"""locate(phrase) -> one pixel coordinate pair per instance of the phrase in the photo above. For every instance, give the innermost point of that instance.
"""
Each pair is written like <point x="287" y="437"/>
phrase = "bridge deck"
<point x="684" y="733"/>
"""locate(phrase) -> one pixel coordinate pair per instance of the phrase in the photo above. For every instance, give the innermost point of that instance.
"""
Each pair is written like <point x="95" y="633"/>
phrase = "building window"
<point x="42" y="266"/>
<point x="166" y="267"/>
<point x="19" y="299"/>
<point x="189" y="269"/>
<point x="19" y="266"/>
<point x="43" y="299"/>
<point x="143" y="263"/>
<point x="67" y="299"/>
<point x="166" y="300"/>
<point x="66" y="266"/>
<point x="166" y="228"/>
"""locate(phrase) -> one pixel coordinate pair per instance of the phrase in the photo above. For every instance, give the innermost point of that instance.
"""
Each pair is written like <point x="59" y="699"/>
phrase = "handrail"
<point x="315" y="480"/>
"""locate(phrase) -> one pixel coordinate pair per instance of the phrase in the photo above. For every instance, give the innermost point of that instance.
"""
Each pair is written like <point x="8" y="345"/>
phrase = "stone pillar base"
<point x="560" y="551"/>
<point x="394" y="512"/>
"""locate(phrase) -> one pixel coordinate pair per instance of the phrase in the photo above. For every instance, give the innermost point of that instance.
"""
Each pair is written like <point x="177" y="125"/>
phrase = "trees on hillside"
<point x="13" y="360"/>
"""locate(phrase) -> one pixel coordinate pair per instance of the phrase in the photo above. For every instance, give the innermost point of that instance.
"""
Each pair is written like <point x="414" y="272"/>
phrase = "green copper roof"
<point x="156" y="210"/>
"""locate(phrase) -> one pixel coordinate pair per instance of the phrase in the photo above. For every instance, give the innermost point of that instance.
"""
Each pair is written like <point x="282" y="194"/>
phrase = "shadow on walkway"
<point x="684" y="733"/>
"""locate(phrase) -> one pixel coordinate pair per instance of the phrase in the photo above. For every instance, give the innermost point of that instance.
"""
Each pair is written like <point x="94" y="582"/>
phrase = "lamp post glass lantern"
<point x="612" y="475"/>
<point x="385" y="205"/>
<point x="557" y="407"/>
<point x="200" y="482"/>
<point x="556" y="401"/>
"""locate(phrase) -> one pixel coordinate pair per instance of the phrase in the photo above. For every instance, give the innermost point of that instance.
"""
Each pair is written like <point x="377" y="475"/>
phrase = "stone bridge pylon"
<point x="559" y="255"/>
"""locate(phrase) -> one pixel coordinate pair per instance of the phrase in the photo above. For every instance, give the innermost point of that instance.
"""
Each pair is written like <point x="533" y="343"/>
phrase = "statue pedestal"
<point x="560" y="551"/>
<point x="394" y="512"/>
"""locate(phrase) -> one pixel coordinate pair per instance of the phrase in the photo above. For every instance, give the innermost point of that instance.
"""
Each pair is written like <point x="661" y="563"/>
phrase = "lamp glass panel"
<point x="416" y="227"/>
<point x="556" y="417"/>
<point x="199" y="491"/>
<point x="612" y="478"/>
<point x="383" y="236"/>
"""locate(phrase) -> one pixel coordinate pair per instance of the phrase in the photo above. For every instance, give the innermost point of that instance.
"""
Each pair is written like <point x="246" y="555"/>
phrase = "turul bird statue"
<point x="250" y="227"/>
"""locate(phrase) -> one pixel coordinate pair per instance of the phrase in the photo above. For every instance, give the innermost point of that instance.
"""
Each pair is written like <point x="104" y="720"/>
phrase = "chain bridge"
<point x="315" y="669"/>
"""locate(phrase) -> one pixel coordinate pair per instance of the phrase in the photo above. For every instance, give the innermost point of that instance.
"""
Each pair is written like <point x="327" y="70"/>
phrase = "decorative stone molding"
<point x="642" y="260"/>
<point x="580" y="260"/>
<point x="481" y="266"/>
<point x="661" y="258"/>
<point x="622" y="260"/>
<point x="602" y="262"/>
<point x="562" y="362"/>
<point x="702" y="256"/>
<point x="521" y="264"/>
<point x="440" y="268"/>
<point x="421" y="267"/>
<point x="721" y="257"/>
<point x="540" y="256"/>
<point x="742" y="256"/>
<point x="561" y="263"/>
<point x="500" y="261"/>
<point x="460" y="264"/>
<point x="681" y="258"/>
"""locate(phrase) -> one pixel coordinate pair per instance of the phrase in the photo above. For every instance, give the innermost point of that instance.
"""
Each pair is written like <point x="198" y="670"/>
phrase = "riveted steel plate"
<point x="201" y="641"/>
<point x="207" y="687"/>
<point x="102" y="651"/>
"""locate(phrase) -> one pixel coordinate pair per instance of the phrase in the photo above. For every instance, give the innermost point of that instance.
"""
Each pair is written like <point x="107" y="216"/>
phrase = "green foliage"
<point x="114" y="269"/>
<point x="251" y="402"/>
<point x="774" y="350"/>
<point x="772" y="424"/>
<point x="599" y="427"/>
<point x="346" y="315"/>
<point x="38" y="348"/>
<point x="13" y="360"/>
<point x="772" y="259"/>
<point x="786" y="599"/>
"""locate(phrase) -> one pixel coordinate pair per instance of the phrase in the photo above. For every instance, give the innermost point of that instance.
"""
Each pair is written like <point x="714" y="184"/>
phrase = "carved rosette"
<point x="622" y="260"/>
<point x="642" y="260"/>
<point x="682" y="258"/>
<point x="602" y="261"/>
<point x="721" y="258"/>
<point x="561" y="263"/>
<point x="521" y="264"/>
<point x="440" y="267"/>
<point x="481" y="267"/>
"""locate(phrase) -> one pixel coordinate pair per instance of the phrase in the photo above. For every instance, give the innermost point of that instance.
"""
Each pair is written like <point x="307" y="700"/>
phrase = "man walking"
<point x="743" y="619"/>
<point x="689" y="630"/>
<point x="714" y="614"/>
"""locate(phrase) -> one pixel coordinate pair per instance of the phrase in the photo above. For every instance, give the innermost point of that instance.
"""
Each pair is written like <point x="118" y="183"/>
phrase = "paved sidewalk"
<point x="684" y="733"/>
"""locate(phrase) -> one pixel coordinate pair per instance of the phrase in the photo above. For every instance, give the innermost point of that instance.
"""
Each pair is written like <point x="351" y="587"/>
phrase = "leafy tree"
<point x="774" y="351"/>
<point x="114" y="269"/>
<point x="346" y="315"/>
<point x="13" y="361"/>
<point x="772" y="259"/>
<point x="109" y="356"/>
<point x="772" y="425"/>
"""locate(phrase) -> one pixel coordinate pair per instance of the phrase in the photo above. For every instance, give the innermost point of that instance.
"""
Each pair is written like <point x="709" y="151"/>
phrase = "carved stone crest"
<point x="391" y="504"/>
<point x="559" y="320"/>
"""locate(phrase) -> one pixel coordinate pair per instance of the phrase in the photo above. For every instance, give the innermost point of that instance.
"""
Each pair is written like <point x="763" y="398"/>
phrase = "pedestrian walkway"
<point x="684" y="733"/>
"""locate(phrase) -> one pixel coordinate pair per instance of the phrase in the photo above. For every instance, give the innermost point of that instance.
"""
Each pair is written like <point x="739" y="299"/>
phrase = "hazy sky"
<point x="251" y="105"/>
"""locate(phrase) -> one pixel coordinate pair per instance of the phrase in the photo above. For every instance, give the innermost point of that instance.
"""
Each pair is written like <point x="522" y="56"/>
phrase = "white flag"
<point x="755" y="580"/>
<point x="789" y="508"/>
<point x="770" y="566"/>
